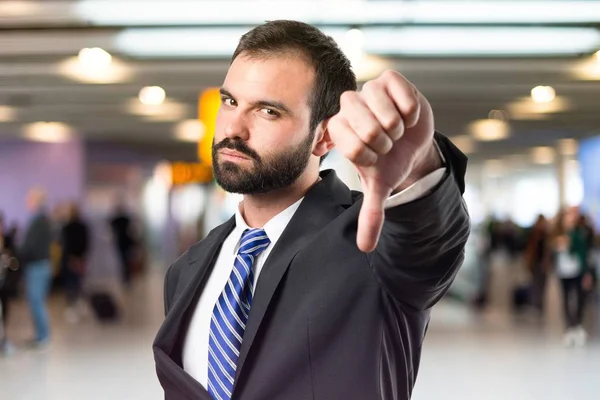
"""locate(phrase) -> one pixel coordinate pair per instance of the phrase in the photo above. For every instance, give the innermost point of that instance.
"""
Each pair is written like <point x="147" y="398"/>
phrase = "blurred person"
<point x="511" y="236"/>
<point x="58" y="219"/>
<point x="570" y="243"/>
<point x="122" y="226"/>
<point x="538" y="260"/>
<point x="34" y="255"/>
<point x="311" y="290"/>
<point x="75" y="245"/>
<point x="489" y="245"/>
<point x="9" y="279"/>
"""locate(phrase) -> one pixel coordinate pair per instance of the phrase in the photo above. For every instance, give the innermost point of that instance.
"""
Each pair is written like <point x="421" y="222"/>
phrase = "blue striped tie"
<point x="231" y="314"/>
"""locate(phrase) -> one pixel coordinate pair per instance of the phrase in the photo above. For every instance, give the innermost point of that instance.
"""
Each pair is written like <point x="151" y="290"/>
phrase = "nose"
<point x="235" y="125"/>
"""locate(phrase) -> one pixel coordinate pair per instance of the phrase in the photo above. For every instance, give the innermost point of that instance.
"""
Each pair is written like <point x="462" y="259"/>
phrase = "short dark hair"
<point x="333" y="72"/>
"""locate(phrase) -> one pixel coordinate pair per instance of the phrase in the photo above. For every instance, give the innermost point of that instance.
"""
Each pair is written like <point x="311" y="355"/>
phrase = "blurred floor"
<point x="466" y="356"/>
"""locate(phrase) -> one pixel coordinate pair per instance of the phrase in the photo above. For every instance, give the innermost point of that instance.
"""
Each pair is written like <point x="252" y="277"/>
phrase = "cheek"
<point x="220" y="124"/>
<point x="273" y="136"/>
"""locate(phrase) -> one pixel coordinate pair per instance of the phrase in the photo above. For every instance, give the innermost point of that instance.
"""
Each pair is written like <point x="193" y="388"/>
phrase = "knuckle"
<point x="411" y="107"/>
<point x="370" y="133"/>
<point x="370" y="86"/>
<point x="347" y="96"/>
<point x="390" y="74"/>
<point x="355" y="153"/>
<point x="391" y="122"/>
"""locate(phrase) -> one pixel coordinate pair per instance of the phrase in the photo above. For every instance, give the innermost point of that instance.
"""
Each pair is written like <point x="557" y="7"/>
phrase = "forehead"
<point x="286" y="78"/>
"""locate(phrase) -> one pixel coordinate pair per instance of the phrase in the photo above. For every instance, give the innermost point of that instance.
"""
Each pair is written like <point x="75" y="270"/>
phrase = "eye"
<point x="228" y="101"/>
<point x="270" y="112"/>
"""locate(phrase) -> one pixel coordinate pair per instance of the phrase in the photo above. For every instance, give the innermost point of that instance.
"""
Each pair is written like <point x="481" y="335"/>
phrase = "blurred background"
<point x="106" y="119"/>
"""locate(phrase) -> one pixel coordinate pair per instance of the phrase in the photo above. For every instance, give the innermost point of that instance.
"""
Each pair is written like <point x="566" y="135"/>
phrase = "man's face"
<point x="262" y="140"/>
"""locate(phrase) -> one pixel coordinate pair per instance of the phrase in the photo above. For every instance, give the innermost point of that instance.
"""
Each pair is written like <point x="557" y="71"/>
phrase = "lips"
<point x="234" y="154"/>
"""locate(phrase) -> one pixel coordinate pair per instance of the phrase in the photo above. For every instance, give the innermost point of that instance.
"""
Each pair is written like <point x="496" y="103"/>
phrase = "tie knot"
<point x="254" y="242"/>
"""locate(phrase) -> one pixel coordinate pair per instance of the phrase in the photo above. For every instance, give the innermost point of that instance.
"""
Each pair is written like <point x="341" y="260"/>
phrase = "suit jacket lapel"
<point x="321" y="204"/>
<point x="202" y="258"/>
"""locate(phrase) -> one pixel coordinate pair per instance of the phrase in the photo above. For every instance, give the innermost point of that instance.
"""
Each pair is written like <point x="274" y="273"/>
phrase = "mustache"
<point x="237" y="145"/>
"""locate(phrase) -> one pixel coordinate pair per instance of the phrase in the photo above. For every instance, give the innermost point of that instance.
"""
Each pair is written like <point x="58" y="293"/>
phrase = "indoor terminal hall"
<point x="303" y="199"/>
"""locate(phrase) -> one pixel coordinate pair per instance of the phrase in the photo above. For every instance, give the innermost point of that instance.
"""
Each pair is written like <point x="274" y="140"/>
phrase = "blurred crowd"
<point x="565" y="246"/>
<point x="54" y="253"/>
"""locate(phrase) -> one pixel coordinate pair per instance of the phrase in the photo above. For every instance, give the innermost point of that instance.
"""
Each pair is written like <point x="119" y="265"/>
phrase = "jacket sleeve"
<point x="422" y="243"/>
<point x="167" y="291"/>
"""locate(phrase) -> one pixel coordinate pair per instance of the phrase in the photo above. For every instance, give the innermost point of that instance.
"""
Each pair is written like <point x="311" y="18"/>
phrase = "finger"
<point x="371" y="217"/>
<point x="364" y="123"/>
<point x="349" y="144"/>
<point x="383" y="108"/>
<point x="405" y="95"/>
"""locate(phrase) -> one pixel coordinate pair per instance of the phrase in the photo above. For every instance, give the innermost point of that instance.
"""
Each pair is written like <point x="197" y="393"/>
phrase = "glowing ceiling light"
<point x="168" y="111"/>
<point x="488" y="130"/>
<point x="94" y="58"/>
<point x="190" y="130"/>
<point x="49" y="132"/>
<point x="87" y="71"/>
<point x="16" y="8"/>
<point x="152" y="95"/>
<point x="597" y="56"/>
<point x="543" y="94"/>
<point x="7" y="113"/>
<point x="543" y="155"/>
<point x="499" y="115"/>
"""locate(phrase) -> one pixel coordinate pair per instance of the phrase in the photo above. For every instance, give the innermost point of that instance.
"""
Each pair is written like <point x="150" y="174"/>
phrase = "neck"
<point x="258" y="209"/>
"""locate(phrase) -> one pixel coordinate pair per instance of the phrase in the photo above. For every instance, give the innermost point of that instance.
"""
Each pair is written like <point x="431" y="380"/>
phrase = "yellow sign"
<point x="183" y="173"/>
<point x="208" y="107"/>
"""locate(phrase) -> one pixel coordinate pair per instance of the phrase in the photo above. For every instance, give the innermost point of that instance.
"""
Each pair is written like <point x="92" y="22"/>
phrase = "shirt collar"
<point x="274" y="228"/>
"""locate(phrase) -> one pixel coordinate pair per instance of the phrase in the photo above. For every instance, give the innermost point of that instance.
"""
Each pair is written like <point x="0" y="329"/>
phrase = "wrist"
<point x="429" y="162"/>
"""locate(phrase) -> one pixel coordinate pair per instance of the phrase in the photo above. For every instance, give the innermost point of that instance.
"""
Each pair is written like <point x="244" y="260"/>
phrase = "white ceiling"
<point x="35" y="44"/>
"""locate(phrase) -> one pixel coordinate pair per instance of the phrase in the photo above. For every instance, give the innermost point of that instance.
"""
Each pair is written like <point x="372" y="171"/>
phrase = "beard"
<point x="271" y="172"/>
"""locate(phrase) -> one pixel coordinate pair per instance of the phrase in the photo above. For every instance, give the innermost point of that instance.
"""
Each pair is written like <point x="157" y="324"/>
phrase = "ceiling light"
<point x="354" y="41"/>
<point x="487" y="130"/>
<point x="190" y="130"/>
<point x="411" y="40"/>
<point x="543" y="155"/>
<point x="152" y="95"/>
<point x="49" y="132"/>
<point x="499" y="115"/>
<point x="194" y="12"/>
<point x="568" y="147"/>
<point x="17" y="8"/>
<point x="588" y="68"/>
<point x="527" y="109"/>
<point x="168" y="111"/>
<point x="94" y="58"/>
<point x="543" y="94"/>
<point x="478" y="41"/>
<point x="7" y="113"/>
<point x="113" y="72"/>
<point x="464" y="143"/>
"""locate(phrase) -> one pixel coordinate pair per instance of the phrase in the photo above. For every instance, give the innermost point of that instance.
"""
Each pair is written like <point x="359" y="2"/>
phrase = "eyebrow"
<point x="262" y="103"/>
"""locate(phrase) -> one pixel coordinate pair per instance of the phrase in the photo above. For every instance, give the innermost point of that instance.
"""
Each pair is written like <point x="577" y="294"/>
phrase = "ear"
<point x="323" y="143"/>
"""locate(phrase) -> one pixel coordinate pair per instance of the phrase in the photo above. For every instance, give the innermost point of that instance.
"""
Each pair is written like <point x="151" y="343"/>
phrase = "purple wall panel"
<point x="58" y="168"/>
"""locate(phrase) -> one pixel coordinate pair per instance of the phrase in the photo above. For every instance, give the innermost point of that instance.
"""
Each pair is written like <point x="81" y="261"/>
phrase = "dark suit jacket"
<point x="328" y="321"/>
<point x="37" y="242"/>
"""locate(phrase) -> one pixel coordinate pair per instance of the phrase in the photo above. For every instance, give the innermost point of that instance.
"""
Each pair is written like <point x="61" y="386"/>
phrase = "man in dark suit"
<point x="313" y="291"/>
<point x="34" y="255"/>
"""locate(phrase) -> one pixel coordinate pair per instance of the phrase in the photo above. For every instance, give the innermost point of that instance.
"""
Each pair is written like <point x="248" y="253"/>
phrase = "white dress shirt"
<point x="195" y="349"/>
